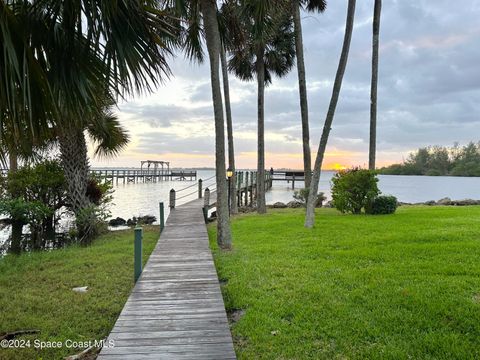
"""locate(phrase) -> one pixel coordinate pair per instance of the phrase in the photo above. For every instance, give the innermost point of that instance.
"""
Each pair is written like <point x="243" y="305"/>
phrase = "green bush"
<point x="302" y="197"/>
<point x="383" y="205"/>
<point x="353" y="190"/>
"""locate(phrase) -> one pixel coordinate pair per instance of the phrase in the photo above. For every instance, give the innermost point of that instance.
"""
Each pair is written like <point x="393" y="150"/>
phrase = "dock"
<point x="142" y="175"/>
<point x="176" y="309"/>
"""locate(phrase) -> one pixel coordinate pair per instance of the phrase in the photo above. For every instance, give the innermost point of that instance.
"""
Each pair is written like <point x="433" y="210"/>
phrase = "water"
<point x="138" y="199"/>
<point x="143" y="198"/>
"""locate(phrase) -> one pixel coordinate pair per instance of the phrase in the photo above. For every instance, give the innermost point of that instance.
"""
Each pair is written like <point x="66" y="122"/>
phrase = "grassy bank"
<point x="36" y="292"/>
<point x="355" y="287"/>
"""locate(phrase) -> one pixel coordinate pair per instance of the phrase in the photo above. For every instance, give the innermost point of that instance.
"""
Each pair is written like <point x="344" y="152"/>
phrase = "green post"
<point x="162" y="217"/>
<point x="137" y="267"/>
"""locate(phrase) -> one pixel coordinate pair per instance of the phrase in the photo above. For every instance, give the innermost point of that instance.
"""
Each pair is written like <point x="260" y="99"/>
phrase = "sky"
<point x="428" y="93"/>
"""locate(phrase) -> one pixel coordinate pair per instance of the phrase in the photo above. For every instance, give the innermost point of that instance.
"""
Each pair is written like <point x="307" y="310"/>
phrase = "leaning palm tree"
<point x="373" y="91"/>
<point x="263" y="45"/>
<point x="312" y="196"/>
<point x="311" y="6"/>
<point x="212" y="37"/>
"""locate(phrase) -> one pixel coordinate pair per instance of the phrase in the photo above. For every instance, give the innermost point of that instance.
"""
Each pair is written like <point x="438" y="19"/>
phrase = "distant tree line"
<point x="439" y="161"/>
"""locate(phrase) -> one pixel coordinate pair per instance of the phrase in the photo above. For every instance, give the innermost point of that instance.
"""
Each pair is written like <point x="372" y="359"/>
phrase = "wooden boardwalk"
<point x="175" y="310"/>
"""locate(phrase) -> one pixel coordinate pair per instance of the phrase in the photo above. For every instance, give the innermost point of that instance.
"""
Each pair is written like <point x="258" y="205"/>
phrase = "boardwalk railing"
<point x="245" y="187"/>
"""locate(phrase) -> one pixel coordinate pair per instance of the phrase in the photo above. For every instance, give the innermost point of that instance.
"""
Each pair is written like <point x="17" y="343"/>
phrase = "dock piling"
<point x="206" y="204"/>
<point x="172" y="199"/>
<point x="137" y="266"/>
<point x="162" y="216"/>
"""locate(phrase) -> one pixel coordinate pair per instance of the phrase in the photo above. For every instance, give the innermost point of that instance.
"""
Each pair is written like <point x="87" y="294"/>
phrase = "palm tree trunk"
<point x="302" y="86"/>
<point x="13" y="161"/>
<point x="73" y="153"/>
<point x="231" y="149"/>
<point x="212" y="36"/>
<point x="260" y="69"/>
<point x="17" y="233"/>
<point x="310" y="215"/>
<point x="373" y="91"/>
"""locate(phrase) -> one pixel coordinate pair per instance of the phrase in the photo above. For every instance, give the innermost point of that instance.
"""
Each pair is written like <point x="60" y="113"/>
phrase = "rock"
<point x="146" y="220"/>
<point x="279" y="205"/>
<point x="117" y="222"/>
<point x="294" y="204"/>
<point x="82" y="289"/>
<point x="444" y="201"/>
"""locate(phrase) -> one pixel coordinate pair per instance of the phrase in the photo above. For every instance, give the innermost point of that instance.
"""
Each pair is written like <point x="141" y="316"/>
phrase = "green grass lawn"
<point x="36" y="292"/>
<point x="403" y="286"/>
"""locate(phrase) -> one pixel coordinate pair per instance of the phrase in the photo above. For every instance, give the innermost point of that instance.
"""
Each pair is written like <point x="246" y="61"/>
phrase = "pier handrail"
<point x="195" y="184"/>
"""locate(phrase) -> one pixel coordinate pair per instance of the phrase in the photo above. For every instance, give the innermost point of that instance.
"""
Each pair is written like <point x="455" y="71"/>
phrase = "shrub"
<point x="302" y="197"/>
<point x="354" y="190"/>
<point x="97" y="192"/>
<point x="383" y="205"/>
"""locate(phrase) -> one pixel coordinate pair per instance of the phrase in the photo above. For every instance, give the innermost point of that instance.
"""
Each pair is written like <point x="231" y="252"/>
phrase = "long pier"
<point x="143" y="175"/>
<point x="176" y="309"/>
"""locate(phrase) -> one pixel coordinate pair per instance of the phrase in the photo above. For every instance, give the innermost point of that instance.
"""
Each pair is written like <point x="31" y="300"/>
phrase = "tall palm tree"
<point x="228" y="114"/>
<point x="312" y="196"/>
<point x="191" y="33"/>
<point x="212" y="36"/>
<point x="226" y="29"/>
<point x="262" y="44"/>
<point x="373" y="91"/>
<point x="311" y="6"/>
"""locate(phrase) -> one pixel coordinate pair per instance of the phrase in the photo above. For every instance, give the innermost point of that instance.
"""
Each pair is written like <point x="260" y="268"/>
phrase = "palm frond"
<point x="107" y="133"/>
<point x="314" y="5"/>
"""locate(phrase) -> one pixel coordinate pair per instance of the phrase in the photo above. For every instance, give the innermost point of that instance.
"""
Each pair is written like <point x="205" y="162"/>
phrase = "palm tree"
<point x="228" y="114"/>
<point x="50" y="46"/>
<point x="105" y="130"/>
<point x="373" y="92"/>
<point x="191" y="33"/>
<point x="311" y="6"/>
<point x="226" y="29"/>
<point x="57" y="56"/>
<point x="212" y="36"/>
<point x="262" y="44"/>
<point x="312" y="196"/>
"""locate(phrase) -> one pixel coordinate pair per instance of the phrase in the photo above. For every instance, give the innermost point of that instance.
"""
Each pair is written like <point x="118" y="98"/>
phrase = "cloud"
<point x="429" y="86"/>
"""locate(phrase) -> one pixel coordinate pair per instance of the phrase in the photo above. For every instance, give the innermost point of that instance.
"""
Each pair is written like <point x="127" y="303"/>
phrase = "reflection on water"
<point x="142" y="199"/>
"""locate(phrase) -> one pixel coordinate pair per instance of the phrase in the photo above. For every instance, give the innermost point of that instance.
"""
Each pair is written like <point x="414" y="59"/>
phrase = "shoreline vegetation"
<point x="394" y="286"/>
<point x="36" y="292"/>
<point x="439" y="161"/>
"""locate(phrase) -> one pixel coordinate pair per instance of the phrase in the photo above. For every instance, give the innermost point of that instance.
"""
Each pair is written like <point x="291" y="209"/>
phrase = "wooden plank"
<point x="176" y="309"/>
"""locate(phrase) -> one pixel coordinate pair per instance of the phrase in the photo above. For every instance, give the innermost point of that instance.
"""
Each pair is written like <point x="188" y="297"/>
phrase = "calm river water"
<point x="143" y="198"/>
